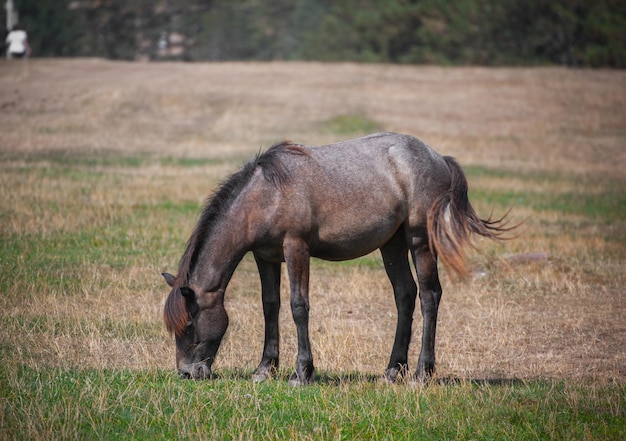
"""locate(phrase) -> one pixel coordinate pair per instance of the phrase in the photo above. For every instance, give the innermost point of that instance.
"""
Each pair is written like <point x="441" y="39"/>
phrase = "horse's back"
<point x="374" y="170"/>
<point x="377" y="144"/>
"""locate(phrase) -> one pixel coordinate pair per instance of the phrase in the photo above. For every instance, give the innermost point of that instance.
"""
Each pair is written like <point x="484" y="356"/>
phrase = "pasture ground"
<point x="104" y="167"/>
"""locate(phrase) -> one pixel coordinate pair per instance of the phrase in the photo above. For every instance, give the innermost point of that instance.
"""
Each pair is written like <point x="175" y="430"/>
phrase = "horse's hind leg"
<point x="430" y="296"/>
<point x="270" y="293"/>
<point x="395" y="257"/>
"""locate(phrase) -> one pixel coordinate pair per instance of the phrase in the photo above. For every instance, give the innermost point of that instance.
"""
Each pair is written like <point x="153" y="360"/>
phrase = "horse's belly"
<point x="353" y="242"/>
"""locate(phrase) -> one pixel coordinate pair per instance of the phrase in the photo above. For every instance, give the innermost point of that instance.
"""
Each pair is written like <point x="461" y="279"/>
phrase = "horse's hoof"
<point x="421" y="379"/>
<point x="417" y="383"/>
<point x="394" y="374"/>
<point x="390" y="376"/>
<point x="264" y="372"/>
<point x="259" y="377"/>
<point x="385" y="380"/>
<point x="297" y="381"/>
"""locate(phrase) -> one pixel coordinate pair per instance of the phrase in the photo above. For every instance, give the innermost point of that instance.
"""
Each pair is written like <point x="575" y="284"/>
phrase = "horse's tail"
<point x="452" y="220"/>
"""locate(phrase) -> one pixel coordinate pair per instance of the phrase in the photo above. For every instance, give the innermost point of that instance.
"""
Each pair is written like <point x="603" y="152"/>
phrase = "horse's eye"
<point x="189" y="323"/>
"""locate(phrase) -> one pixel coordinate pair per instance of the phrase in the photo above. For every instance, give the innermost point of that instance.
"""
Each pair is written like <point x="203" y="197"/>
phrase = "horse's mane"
<point x="274" y="171"/>
<point x="220" y="201"/>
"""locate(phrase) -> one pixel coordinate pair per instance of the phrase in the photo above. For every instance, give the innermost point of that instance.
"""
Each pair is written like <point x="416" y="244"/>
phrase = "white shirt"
<point x="17" y="41"/>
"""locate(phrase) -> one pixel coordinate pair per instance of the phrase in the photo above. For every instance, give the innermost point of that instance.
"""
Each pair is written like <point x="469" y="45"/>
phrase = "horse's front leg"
<point x="297" y="258"/>
<point x="430" y="296"/>
<point x="269" y="273"/>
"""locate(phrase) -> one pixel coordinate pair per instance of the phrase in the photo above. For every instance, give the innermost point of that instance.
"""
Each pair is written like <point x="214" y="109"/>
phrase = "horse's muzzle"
<point x="196" y="371"/>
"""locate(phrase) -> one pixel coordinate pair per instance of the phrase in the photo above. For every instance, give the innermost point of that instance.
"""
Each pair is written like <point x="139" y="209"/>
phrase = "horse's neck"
<point x="221" y="253"/>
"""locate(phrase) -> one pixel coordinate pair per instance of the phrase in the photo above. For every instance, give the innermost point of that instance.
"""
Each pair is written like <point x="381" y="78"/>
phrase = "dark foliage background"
<point x="456" y="32"/>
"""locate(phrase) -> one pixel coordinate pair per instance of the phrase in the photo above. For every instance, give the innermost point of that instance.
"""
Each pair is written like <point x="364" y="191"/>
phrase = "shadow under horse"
<point x="336" y="202"/>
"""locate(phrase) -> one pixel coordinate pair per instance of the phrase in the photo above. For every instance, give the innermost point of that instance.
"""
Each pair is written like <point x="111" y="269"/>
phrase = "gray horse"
<point x="333" y="202"/>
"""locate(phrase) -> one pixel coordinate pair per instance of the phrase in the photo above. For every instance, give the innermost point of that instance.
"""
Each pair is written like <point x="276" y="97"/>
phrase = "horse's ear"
<point x="169" y="278"/>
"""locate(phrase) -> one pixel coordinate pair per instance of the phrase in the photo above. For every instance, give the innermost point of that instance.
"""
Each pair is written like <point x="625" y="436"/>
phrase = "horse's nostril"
<point x="203" y="372"/>
<point x="185" y="375"/>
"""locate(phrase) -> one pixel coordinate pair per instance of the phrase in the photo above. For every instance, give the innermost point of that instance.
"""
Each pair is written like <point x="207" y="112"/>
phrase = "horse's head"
<point x="198" y="322"/>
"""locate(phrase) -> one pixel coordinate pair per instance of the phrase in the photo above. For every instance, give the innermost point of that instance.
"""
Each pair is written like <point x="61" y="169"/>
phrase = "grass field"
<point x="104" y="167"/>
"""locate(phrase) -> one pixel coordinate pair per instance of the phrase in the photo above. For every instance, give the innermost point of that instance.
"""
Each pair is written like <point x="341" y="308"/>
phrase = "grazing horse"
<point x="335" y="202"/>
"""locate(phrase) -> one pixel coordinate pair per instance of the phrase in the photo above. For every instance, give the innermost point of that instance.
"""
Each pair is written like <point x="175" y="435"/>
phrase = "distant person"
<point x="17" y="43"/>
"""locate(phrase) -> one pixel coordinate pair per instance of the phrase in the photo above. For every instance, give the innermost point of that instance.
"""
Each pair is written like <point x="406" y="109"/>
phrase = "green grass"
<point x="114" y="404"/>
<point x="608" y="207"/>
<point x="606" y="203"/>
<point x="199" y="162"/>
<point x="578" y="206"/>
<point x="59" y="259"/>
<point x="65" y="161"/>
<point x="351" y="124"/>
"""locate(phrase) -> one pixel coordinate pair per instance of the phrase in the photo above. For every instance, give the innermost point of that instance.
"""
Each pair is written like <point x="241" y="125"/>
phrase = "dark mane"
<point x="220" y="201"/>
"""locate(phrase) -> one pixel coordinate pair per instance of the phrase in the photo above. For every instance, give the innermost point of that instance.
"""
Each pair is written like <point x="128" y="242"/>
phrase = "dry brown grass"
<point x="542" y="118"/>
<point x="562" y="317"/>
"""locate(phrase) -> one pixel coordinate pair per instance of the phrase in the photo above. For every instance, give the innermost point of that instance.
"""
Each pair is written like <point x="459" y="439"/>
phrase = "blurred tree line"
<point x="484" y="32"/>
